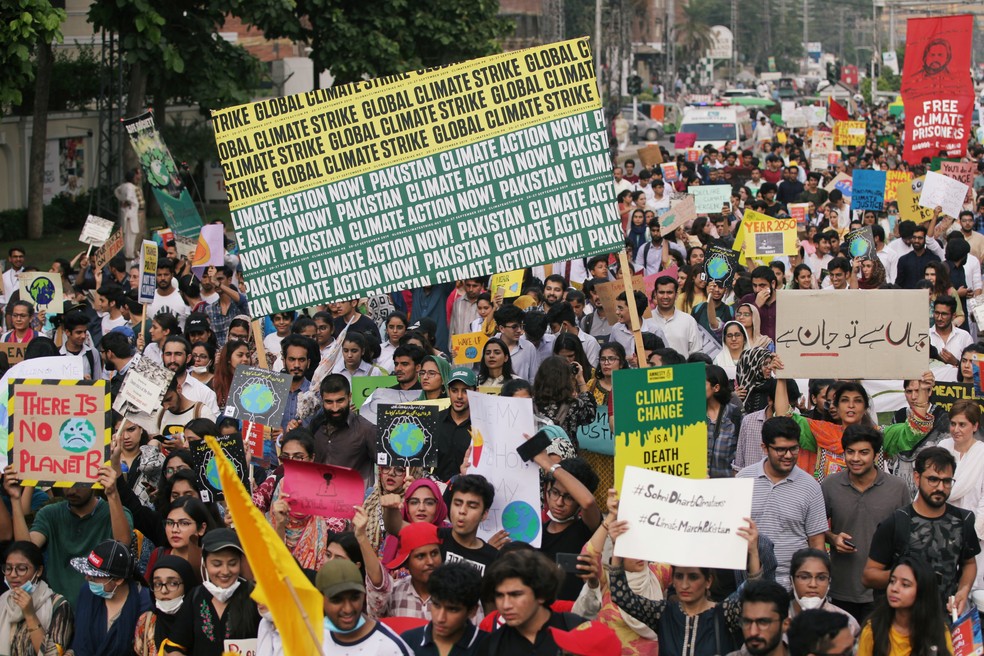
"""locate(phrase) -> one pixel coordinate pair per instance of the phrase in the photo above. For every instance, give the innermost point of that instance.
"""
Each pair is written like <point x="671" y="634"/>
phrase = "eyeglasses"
<point x="158" y="586"/>
<point x="608" y="360"/>
<point x="761" y="623"/>
<point x="806" y="577"/>
<point x="293" y="456"/>
<point x="733" y="336"/>
<point x="19" y="570"/>
<point x="512" y="326"/>
<point x="934" y="481"/>
<point x="557" y="495"/>
<point x="199" y="356"/>
<point x="393" y="471"/>
<point x="170" y="471"/>
<point x="429" y="374"/>
<point x="180" y="523"/>
<point x="785" y="451"/>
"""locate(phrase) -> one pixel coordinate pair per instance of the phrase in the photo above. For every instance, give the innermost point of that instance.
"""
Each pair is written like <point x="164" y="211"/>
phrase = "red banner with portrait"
<point x="937" y="90"/>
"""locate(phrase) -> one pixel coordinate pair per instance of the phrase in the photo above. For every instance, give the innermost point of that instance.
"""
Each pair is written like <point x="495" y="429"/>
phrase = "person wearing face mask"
<point x="220" y="609"/>
<point x="171" y="578"/>
<point x="347" y="630"/>
<point x="113" y="590"/>
<point x="33" y="618"/>
<point x="809" y="572"/>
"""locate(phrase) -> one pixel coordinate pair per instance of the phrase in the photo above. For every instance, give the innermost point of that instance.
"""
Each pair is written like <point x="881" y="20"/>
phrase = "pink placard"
<point x="685" y="140"/>
<point x="323" y="490"/>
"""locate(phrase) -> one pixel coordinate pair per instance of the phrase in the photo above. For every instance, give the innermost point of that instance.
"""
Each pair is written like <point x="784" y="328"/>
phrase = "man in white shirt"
<point x="622" y="329"/>
<point x="888" y="258"/>
<point x="176" y="356"/>
<point x="522" y="352"/>
<point x="679" y="328"/>
<point x="15" y="257"/>
<point x="621" y="184"/>
<point x="167" y="299"/>
<point x="903" y="244"/>
<point x="562" y="319"/>
<point x="949" y="340"/>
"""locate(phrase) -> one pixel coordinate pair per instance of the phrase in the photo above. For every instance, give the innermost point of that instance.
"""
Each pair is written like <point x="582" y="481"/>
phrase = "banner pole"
<point x="258" y="340"/>
<point x="633" y="311"/>
<point x="304" y="615"/>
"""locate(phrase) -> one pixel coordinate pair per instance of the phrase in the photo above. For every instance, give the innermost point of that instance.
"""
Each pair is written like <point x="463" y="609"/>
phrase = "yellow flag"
<point x="272" y="565"/>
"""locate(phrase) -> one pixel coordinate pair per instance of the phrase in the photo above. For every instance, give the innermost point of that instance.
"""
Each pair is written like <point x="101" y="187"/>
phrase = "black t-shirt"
<point x="452" y="552"/>
<point x="453" y="440"/>
<point x="571" y="540"/>
<point x="944" y="542"/>
<point x="363" y="325"/>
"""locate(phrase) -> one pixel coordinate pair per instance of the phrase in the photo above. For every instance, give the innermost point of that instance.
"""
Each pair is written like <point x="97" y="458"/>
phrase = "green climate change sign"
<point x="422" y="178"/>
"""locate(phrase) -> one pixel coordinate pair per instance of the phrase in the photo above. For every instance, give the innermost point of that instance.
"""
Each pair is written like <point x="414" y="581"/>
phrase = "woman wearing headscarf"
<point x="645" y="579"/>
<point x="422" y="502"/>
<point x="171" y="580"/>
<point x="748" y="316"/>
<point x="434" y="386"/>
<point x="33" y="618"/>
<point x="753" y="369"/>
<point x="872" y="274"/>
<point x="735" y="342"/>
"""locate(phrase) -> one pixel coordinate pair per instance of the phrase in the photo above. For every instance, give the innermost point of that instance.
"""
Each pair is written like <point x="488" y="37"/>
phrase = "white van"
<point x="717" y="125"/>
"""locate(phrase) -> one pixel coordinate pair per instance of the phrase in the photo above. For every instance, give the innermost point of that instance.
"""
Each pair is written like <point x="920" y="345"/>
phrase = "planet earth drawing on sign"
<point x="212" y="474"/>
<point x="471" y="352"/>
<point x="42" y="291"/>
<point x="717" y="268"/>
<point x="77" y="435"/>
<point x="407" y="439"/>
<point x="520" y="521"/>
<point x="256" y="398"/>
<point x="858" y="247"/>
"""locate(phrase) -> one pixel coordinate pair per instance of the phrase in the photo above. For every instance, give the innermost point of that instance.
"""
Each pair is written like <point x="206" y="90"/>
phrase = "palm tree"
<point x="692" y="34"/>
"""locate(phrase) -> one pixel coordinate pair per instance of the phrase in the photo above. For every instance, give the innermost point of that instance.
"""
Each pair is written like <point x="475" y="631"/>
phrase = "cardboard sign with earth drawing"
<point x="58" y="430"/>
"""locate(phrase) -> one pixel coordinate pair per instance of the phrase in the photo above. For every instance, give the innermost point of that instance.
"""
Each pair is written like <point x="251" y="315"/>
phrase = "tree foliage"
<point x="354" y="40"/>
<point x="23" y="24"/>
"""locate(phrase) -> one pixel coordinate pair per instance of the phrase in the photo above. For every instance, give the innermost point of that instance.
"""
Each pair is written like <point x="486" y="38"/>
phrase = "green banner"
<point x="413" y="180"/>
<point x="661" y="420"/>
<point x="163" y="176"/>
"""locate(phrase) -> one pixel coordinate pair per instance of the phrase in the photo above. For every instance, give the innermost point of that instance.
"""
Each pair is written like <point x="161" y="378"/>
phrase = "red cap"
<point x="413" y="536"/>
<point x="588" y="639"/>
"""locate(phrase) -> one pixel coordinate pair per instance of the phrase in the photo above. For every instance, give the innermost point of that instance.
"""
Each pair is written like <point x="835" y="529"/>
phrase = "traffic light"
<point x="635" y="85"/>
<point x="831" y="73"/>
<point x="837" y="70"/>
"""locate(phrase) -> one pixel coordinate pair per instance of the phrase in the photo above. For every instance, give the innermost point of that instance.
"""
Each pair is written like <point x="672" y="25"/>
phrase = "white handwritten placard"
<point x="709" y="199"/>
<point x="877" y="334"/>
<point x="498" y="424"/>
<point x="682" y="521"/>
<point x="944" y="192"/>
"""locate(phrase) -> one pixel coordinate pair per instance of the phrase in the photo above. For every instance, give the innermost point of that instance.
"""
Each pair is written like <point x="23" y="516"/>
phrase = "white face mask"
<point x="170" y="606"/>
<point x="199" y="370"/>
<point x="808" y="603"/>
<point x="221" y="594"/>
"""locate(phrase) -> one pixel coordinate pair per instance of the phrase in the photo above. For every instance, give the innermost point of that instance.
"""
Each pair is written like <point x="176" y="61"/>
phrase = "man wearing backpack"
<point x="939" y="533"/>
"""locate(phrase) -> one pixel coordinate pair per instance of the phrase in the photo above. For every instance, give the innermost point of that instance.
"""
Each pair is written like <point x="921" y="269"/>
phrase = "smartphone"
<point x="568" y="562"/>
<point x="850" y="544"/>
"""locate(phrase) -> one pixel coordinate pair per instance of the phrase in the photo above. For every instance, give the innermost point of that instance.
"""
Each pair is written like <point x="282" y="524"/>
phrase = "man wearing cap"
<point x="455" y="590"/>
<point x="69" y="529"/>
<point x="453" y="425"/>
<point x="197" y="328"/>
<point x="347" y="629"/>
<point x="420" y="552"/>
